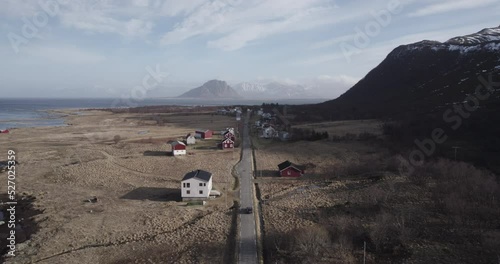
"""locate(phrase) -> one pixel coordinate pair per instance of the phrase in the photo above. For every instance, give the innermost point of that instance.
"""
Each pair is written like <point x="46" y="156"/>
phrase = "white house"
<point x="269" y="132"/>
<point x="196" y="185"/>
<point x="190" y="139"/>
<point x="178" y="148"/>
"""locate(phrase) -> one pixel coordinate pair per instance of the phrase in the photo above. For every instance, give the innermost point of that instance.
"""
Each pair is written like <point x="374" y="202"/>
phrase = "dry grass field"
<point x="356" y="191"/>
<point x="122" y="160"/>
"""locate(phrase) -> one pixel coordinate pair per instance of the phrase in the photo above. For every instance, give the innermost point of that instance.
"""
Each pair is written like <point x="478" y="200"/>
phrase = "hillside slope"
<point x="424" y="77"/>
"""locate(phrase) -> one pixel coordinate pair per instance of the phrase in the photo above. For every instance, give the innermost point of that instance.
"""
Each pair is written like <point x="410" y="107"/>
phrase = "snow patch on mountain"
<point x="486" y="39"/>
<point x="485" y="35"/>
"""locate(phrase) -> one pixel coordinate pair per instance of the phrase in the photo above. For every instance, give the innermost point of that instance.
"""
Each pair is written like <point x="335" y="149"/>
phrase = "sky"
<point x="110" y="48"/>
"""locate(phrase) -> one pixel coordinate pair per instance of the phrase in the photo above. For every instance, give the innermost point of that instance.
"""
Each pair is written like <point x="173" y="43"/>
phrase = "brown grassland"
<point x="122" y="160"/>
<point x="356" y="191"/>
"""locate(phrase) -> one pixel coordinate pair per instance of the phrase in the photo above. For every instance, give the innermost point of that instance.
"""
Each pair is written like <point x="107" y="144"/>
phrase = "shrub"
<point x="467" y="194"/>
<point x="366" y="136"/>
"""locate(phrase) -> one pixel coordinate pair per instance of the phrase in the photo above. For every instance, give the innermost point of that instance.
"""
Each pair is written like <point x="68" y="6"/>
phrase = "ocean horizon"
<point x="33" y="112"/>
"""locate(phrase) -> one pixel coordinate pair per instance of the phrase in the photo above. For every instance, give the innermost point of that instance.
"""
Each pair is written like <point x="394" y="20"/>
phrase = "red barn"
<point x="288" y="169"/>
<point x="204" y="134"/>
<point x="178" y="148"/>
<point x="4" y="131"/>
<point x="227" y="144"/>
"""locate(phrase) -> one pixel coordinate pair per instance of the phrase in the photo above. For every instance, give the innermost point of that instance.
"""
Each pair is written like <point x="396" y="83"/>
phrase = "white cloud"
<point x="141" y="3"/>
<point x="450" y="5"/>
<point x="332" y="41"/>
<point x="63" y="54"/>
<point x="176" y="7"/>
<point x="18" y="8"/>
<point x="100" y="22"/>
<point x="331" y="86"/>
<point x="233" y="27"/>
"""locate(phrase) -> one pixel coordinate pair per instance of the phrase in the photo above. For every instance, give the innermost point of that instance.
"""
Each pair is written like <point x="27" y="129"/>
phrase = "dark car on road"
<point x="247" y="210"/>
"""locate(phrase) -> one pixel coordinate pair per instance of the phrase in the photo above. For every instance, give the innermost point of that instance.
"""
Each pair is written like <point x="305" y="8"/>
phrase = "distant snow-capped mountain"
<point x="274" y="90"/>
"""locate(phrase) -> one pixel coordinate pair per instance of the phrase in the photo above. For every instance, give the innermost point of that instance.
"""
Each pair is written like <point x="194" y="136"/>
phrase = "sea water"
<point x="33" y="112"/>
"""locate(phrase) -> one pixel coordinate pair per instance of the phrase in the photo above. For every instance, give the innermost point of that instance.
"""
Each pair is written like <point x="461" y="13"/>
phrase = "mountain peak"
<point x="212" y="89"/>
<point x="425" y="77"/>
<point x="483" y="36"/>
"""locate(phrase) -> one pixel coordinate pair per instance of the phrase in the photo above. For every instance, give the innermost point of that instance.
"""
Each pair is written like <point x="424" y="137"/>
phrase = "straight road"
<point x="248" y="238"/>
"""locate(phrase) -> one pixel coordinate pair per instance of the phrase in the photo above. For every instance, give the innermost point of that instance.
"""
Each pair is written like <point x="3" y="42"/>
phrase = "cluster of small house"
<point x="197" y="185"/>
<point x="268" y="126"/>
<point x="179" y="147"/>
<point x="229" y="111"/>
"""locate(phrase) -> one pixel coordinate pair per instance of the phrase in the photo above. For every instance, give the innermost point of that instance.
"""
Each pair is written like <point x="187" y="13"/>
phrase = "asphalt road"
<point x="248" y="238"/>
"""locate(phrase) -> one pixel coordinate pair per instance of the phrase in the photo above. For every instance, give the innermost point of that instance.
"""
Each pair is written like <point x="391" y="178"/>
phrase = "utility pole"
<point x="456" y="148"/>
<point x="364" y="252"/>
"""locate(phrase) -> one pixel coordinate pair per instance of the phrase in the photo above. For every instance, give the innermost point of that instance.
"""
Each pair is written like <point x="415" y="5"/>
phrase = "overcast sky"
<point x="101" y="48"/>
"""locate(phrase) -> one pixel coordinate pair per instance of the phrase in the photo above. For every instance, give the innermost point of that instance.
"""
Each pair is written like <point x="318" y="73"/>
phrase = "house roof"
<point x="287" y="164"/>
<point x="175" y="143"/>
<point x="198" y="174"/>
<point x="227" y="139"/>
<point x="189" y="135"/>
<point x="202" y="130"/>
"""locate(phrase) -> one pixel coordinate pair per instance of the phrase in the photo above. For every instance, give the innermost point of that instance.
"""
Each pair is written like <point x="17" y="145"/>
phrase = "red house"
<point x="204" y="134"/>
<point x="4" y="131"/>
<point x="230" y="135"/>
<point x="227" y="144"/>
<point x="288" y="169"/>
<point x="178" y="148"/>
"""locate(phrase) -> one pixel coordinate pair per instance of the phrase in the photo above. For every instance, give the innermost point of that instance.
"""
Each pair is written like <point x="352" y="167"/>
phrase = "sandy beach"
<point x="122" y="160"/>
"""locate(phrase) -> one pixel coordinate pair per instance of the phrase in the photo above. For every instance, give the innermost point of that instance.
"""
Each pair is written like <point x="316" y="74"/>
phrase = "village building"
<point x="229" y="134"/>
<point x="203" y="134"/>
<point x="196" y="185"/>
<point x="190" y="139"/>
<point x="288" y="169"/>
<point x="284" y="136"/>
<point x="222" y="111"/>
<point x="269" y="132"/>
<point x="227" y="144"/>
<point x="178" y="148"/>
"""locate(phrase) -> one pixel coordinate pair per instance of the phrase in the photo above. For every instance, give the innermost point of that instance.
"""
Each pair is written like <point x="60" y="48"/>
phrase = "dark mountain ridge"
<point x="424" y="77"/>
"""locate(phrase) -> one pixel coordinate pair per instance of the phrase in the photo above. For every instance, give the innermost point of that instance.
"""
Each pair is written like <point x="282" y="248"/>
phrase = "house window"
<point x="201" y="191"/>
<point x="188" y="185"/>
<point x="204" y="184"/>
<point x="201" y="184"/>
<point x="188" y="192"/>
<point x="289" y="172"/>
<point x="183" y="185"/>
